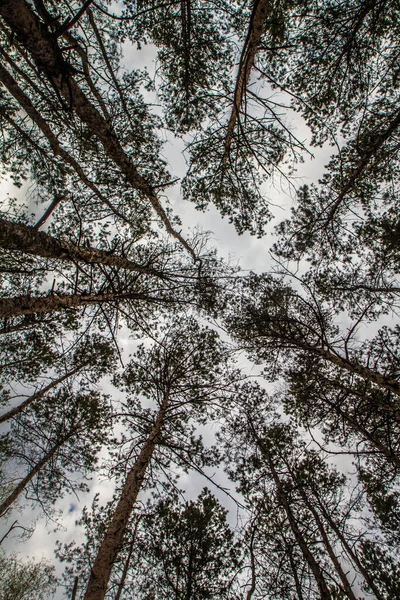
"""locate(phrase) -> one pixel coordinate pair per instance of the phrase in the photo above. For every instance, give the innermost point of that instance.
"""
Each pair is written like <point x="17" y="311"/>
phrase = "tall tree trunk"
<point x="309" y="557"/>
<point x="121" y="584"/>
<point x="75" y="588"/>
<point x="248" y="55"/>
<point x="358" y="369"/>
<point x="294" y="570"/>
<point x="253" y="580"/>
<point x="21" y="407"/>
<point x="347" y="547"/>
<point x="43" y="46"/>
<point x="28" y="305"/>
<point x="365" y="434"/>
<point x="111" y="544"/>
<point x="335" y="561"/>
<point x="11" y="498"/>
<point x="17" y="236"/>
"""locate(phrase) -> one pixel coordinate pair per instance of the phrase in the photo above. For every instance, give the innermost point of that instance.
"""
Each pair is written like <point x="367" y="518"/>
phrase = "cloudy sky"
<point x="246" y="251"/>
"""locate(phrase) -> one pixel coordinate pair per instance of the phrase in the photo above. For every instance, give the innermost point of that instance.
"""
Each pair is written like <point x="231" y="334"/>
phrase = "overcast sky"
<point x="247" y="251"/>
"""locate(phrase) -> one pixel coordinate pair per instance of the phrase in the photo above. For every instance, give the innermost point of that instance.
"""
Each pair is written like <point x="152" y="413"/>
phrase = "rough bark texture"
<point x="335" y="561"/>
<point x="250" y="48"/>
<point x="11" y="498"/>
<point x="108" y="551"/>
<point x="308" y="556"/>
<point x="43" y="46"/>
<point x="17" y="236"/>
<point x="21" y="407"/>
<point x="348" y="548"/>
<point x="27" y="305"/>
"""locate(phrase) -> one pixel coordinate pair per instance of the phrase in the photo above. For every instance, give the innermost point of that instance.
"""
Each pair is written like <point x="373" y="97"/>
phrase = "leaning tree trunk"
<point x="17" y="236"/>
<point x="43" y="46"/>
<point x="309" y="557"/>
<point x="294" y="570"/>
<point x="124" y="575"/>
<point x="246" y="64"/>
<point x="348" y="548"/>
<point x="356" y="368"/>
<point x="111" y="544"/>
<point x="357" y="427"/>
<point x="11" y="498"/>
<point x="335" y="561"/>
<point x="21" y="407"/>
<point x="16" y="306"/>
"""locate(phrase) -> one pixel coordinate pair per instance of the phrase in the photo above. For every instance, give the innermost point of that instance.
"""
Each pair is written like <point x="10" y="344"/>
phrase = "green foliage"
<point x="26" y="580"/>
<point x="191" y="550"/>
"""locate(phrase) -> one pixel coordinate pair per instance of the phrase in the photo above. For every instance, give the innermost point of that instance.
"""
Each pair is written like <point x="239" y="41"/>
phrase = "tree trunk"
<point x="126" y="565"/>
<point x="48" y="57"/>
<point x="75" y="588"/>
<point x="108" y="551"/>
<point x="18" y="409"/>
<point x="348" y="549"/>
<point x="354" y="367"/>
<point x="22" y="485"/>
<point x="250" y="48"/>
<point x="253" y="580"/>
<point x="365" y="434"/>
<point x="346" y="584"/>
<point x="294" y="571"/>
<point x="17" y="236"/>
<point x="308" y="556"/>
<point x="27" y="305"/>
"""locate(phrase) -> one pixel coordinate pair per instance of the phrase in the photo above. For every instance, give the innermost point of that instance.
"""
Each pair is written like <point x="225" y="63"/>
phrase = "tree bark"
<point x="126" y="565"/>
<point x="17" y="236"/>
<point x="249" y="51"/>
<point x="24" y="101"/>
<point x="108" y="551"/>
<point x="354" y="367"/>
<point x="21" y="407"/>
<point x="43" y="46"/>
<point x="357" y="427"/>
<point x="335" y="561"/>
<point x="294" y="570"/>
<point x="27" y="305"/>
<point x="349" y="550"/>
<point x="308" y="556"/>
<point x="22" y="485"/>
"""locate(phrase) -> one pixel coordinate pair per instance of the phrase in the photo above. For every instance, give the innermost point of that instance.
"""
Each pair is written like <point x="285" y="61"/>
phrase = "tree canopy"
<point x="221" y="433"/>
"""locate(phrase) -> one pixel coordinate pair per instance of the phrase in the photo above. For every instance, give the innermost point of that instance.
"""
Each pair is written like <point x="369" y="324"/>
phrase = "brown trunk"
<point x="75" y="588"/>
<point x="346" y="584"/>
<point x="348" y="549"/>
<point x="22" y="485"/>
<point x="17" y="236"/>
<point x="250" y="48"/>
<point x="27" y="305"/>
<point x="363" y="164"/>
<point x="126" y="565"/>
<point x="108" y="551"/>
<point x="48" y="57"/>
<point x="308" y="556"/>
<point x="356" y="368"/>
<point x="58" y="150"/>
<point x="18" y="409"/>
<point x="356" y="426"/>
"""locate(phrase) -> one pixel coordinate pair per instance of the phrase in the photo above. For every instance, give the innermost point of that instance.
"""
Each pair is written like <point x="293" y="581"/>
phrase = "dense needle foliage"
<point x="136" y="362"/>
